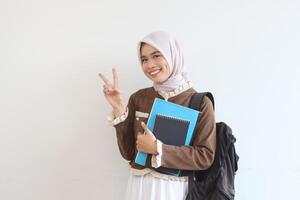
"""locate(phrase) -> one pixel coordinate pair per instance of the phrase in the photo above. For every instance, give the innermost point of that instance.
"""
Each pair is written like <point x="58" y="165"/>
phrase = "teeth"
<point x="154" y="72"/>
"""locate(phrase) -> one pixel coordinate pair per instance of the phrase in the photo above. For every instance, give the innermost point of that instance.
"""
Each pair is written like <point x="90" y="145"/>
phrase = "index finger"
<point x="105" y="80"/>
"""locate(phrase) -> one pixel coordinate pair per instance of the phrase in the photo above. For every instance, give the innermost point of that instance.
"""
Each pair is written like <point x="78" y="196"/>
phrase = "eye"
<point x="144" y="60"/>
<point x="156" y="56"/>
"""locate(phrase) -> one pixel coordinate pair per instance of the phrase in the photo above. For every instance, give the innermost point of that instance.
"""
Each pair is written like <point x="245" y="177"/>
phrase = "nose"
<point x="151" y="64"/>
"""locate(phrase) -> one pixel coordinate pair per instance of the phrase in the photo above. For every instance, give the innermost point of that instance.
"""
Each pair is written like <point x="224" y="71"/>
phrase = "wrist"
<point x="155" y="151"/>
<point x="118" y="111"/>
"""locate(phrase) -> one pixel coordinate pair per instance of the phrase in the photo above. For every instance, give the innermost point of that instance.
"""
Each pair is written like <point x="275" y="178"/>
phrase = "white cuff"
<point x="113" y="120"/>
<point x="156" y="160"/>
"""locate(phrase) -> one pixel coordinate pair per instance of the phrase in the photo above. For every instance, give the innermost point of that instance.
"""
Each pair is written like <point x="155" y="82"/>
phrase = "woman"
<point x="163" y="63"/>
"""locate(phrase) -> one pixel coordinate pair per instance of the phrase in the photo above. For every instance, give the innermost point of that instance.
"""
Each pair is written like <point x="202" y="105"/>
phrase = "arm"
<point x="125" y="131"/>
<point x="200" y="156"/>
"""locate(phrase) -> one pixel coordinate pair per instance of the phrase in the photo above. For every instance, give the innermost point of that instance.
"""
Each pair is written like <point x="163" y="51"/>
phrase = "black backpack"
<point x="217" y="182"/>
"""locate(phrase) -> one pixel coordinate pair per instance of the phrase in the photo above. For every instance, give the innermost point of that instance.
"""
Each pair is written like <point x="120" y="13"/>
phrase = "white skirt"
<point x="149" y="187"/>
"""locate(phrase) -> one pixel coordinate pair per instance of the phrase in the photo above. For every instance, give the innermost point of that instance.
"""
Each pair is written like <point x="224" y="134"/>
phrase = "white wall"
<point x="54" y="141"/>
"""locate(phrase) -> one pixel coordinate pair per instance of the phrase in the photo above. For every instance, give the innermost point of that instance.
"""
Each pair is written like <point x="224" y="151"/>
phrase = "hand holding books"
<point x="146" y="142"/>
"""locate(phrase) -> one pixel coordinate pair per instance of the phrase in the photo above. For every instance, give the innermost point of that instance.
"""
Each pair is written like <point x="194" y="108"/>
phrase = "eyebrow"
<point x="151" y="53"/>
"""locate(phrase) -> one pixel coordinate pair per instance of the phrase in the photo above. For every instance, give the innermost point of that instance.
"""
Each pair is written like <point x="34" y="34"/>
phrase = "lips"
<point x="154" y="72"/>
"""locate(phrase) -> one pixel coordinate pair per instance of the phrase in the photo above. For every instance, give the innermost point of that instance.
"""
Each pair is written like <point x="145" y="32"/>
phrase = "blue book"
<point x="172" y="124"/>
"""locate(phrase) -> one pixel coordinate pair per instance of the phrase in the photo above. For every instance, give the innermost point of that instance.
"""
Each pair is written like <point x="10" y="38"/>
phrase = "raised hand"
<point x="113" y="93"/>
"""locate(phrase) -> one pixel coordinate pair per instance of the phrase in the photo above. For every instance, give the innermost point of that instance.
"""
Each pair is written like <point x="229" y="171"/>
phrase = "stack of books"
<point x="172" y="124"/>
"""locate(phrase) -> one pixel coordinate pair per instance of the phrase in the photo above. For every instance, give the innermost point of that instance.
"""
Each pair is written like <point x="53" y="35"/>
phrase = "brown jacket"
<point x="197" y="157"/>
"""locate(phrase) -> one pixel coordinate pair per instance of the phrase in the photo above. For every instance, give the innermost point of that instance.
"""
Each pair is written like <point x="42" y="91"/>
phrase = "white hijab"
<point x="170" y="49"/>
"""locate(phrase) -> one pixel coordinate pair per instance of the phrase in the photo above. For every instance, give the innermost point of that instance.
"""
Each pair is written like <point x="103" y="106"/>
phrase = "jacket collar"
<point x="175" y="92"/>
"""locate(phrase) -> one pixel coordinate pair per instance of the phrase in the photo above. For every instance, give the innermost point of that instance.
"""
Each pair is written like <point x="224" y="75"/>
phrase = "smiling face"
<point x="154" y="65"/>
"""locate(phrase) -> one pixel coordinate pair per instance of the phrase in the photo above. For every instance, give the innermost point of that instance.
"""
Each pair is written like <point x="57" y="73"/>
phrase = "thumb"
<point x="144" y="126"/>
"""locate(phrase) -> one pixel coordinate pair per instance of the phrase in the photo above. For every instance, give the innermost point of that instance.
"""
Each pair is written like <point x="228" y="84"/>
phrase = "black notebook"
<point x="172" y="131"/>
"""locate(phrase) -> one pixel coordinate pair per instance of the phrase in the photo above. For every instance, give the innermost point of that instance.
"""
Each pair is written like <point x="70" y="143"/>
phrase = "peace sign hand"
<point x="112" y="93"/>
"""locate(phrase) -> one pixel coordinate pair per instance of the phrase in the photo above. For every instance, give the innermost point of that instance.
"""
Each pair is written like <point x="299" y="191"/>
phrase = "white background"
<point x="55" y="143"/>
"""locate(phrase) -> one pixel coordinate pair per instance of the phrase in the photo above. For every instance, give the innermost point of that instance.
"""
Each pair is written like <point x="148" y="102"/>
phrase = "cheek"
<point x="167" y="69"/>
<point x="144" y="68"/>
<point x="167" y="74"/>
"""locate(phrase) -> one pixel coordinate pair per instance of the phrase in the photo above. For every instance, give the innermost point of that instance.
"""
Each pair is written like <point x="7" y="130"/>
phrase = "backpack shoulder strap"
<point x="196" y="102"/>
<point x="197" y="99"/>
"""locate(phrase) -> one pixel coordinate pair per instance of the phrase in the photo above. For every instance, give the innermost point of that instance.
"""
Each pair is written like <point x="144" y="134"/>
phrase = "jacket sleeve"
<point x="125" y="132"/>
<point x="200" y="156"/>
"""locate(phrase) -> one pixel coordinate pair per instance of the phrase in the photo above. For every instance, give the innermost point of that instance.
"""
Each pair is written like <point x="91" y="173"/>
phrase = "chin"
<point x="159" y="81"/>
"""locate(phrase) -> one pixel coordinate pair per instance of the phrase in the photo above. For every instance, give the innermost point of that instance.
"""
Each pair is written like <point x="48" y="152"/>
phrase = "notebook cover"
<point x="170" y="130"/>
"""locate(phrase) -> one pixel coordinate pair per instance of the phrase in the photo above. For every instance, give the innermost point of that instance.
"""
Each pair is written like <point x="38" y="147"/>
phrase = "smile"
<point x="153" y="73"/>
